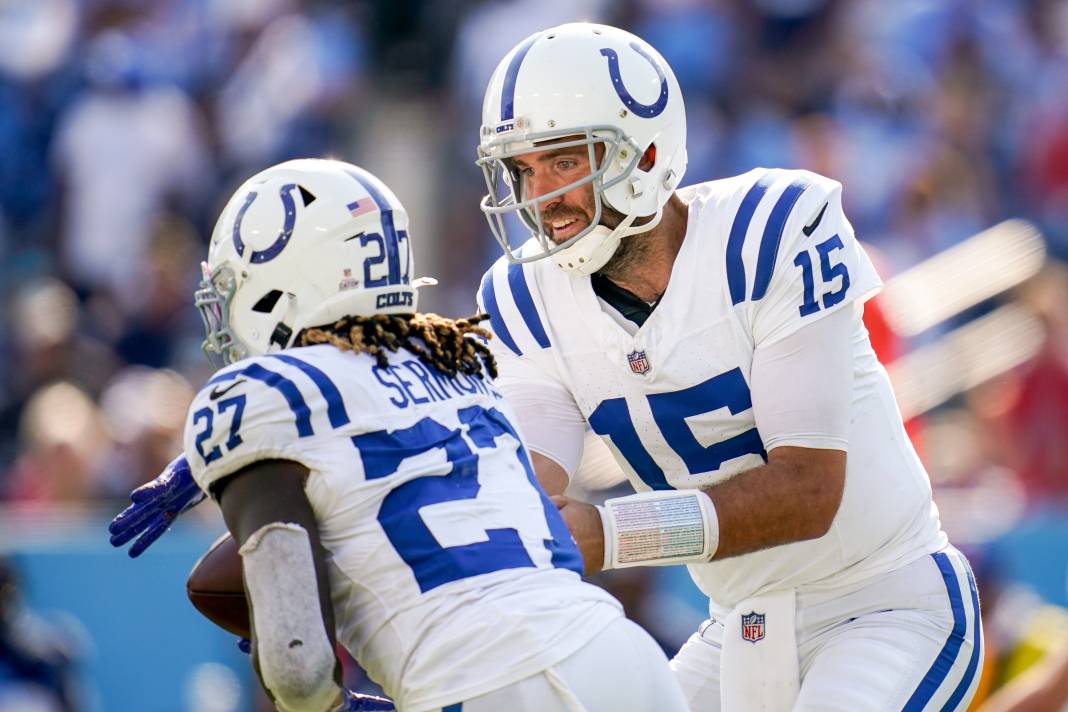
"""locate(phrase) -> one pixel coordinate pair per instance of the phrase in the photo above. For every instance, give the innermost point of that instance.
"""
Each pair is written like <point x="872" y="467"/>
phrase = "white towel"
<point x="759" y="669"/>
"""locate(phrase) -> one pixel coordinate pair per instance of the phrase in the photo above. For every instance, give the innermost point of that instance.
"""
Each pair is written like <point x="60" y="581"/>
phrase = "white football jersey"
<point x="765" y="253"/>
<point x="452" y="573"/>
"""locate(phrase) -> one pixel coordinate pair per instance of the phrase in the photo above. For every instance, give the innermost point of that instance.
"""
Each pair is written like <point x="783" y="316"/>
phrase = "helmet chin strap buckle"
<point x="281" y="335"/>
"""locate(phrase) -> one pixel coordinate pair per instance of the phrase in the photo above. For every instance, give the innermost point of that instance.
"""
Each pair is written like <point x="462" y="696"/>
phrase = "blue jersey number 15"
<point x="670" y="411"/>
<point x="828" y="271"/>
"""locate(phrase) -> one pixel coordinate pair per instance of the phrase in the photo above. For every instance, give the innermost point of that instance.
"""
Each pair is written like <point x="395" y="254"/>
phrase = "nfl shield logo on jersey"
<point x="638" y="362"/>
<point x="753" y="627"/>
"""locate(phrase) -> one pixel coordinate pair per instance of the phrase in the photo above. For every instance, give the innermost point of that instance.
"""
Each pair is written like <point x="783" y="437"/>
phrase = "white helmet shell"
<point x="302" y="244"/>
<point x="588" y="84"/>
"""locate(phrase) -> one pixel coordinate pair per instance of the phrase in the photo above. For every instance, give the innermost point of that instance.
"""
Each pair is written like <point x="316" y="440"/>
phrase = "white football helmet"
<point x="587" y="84"/>
<point x="302" y="244"/>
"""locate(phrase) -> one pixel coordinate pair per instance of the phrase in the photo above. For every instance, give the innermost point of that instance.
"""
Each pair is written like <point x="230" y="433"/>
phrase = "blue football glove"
<point x="355" y="702"/>
<point x="155" y="507"/>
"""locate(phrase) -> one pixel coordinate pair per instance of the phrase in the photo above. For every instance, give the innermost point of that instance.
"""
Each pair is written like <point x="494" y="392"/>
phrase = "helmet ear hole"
<point x="267" y="301"/>
<point x="648" y="158"/>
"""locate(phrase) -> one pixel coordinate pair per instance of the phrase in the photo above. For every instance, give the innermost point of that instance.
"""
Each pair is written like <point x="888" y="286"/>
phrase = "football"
<point x="216" y="588"/>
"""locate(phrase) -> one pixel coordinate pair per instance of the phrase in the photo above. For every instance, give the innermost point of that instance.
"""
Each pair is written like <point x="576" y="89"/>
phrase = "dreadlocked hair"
<point x="445" y="344"/>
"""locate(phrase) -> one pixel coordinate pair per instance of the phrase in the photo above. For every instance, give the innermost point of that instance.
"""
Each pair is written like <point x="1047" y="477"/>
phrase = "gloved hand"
<point x="155" y="506"/>
<point x="355" y="702"/>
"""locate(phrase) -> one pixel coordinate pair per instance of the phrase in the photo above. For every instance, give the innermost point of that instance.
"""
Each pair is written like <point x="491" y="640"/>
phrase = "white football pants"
<point x="907" y="641"/>
<point x="621" y="670"/>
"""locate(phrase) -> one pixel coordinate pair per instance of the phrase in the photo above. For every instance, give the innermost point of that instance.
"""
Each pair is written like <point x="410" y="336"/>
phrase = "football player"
<point x="373" y="478"/>
<point x="711" y="335"/>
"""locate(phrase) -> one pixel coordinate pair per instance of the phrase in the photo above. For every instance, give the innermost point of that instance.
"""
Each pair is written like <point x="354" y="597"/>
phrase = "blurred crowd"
<point x="124" y="125"/>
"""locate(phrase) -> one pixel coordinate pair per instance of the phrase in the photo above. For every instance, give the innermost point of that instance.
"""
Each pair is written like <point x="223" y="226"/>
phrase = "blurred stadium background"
<point x="124" y="124"/>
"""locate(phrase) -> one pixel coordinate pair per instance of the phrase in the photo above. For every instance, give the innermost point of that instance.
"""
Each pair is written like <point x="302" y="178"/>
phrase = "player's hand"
<point x="355" y="702"/>
<point x="155" y="507"/>
<point x="584" y="521"/>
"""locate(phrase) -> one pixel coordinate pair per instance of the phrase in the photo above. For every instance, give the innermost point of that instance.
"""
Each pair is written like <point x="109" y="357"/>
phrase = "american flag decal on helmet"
<point x="752" y="626"/>
<point x="639" y="364"/>
<point x="361" y="207"/>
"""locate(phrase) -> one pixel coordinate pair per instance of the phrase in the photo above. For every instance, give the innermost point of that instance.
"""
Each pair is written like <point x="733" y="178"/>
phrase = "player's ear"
<point x="648" y="158"/>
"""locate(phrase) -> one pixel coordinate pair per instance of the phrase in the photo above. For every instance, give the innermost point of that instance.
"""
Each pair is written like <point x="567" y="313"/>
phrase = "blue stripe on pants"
<point x="973" y="663"/>
<point x="940" y="668"/>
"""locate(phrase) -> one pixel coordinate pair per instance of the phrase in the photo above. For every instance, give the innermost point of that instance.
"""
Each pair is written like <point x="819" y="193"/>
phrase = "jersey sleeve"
<point x="813" y="411"/>
<point x="548" y="417"/>
<point x="257" y="409"/>
<point x="792" y="257"/>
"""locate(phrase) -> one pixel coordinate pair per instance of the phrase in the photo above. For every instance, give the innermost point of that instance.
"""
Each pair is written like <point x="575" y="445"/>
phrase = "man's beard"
<point x="631" y="251"/>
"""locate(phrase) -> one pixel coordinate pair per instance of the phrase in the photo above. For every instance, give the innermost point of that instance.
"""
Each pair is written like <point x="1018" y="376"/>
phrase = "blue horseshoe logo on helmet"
<point x="646" y="111"/>
<point x="279" y="244"/>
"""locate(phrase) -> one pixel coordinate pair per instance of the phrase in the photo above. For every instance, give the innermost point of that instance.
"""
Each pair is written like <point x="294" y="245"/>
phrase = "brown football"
<point x="217" y="590"/>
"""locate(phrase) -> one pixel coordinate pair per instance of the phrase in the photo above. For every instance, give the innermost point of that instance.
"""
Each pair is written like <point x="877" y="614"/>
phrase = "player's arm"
<point x="802" y="399"/>
<point x="551" y="476"/>
<point x="241" y="444"/>
<point x="794" y="497"/>
<point x="548" y="419"/>
<point x="270" y="517"/>
<point x="802" y="315"/>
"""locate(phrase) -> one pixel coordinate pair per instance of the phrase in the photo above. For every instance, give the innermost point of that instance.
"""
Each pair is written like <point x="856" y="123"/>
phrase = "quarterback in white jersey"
<point x="374" y="480"/>
<point x="712" y="337"/>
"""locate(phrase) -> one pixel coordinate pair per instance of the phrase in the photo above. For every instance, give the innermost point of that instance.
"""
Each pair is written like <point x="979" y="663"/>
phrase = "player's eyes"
<point x="566" y="164"/>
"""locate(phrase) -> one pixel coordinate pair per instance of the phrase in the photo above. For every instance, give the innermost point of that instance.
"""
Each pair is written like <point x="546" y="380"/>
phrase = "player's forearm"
<point x="792" y="498"/>
<point x="552" y="478"/>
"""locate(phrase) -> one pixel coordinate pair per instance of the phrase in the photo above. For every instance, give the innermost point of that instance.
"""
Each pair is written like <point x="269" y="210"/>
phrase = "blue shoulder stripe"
<point x="736" y="240"/>
<point x="489" y="301"/>
<point x="335" y="406"/>
<point x="773" y="229"/>
<point x="280" y="383"/>
<point x="517" y="283"/>
<point x="940" y="668"/>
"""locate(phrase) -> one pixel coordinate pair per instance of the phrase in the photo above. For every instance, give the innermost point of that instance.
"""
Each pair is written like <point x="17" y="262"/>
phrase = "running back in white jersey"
<point x="452" y="573"/>
<point x="765" y="253"/>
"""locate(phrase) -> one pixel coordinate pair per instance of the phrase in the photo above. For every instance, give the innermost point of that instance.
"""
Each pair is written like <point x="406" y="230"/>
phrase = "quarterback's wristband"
<point x="659" y="528"/>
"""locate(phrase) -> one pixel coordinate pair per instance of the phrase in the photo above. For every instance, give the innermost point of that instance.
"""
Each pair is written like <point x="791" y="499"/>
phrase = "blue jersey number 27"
<point x="431" y="563"/>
